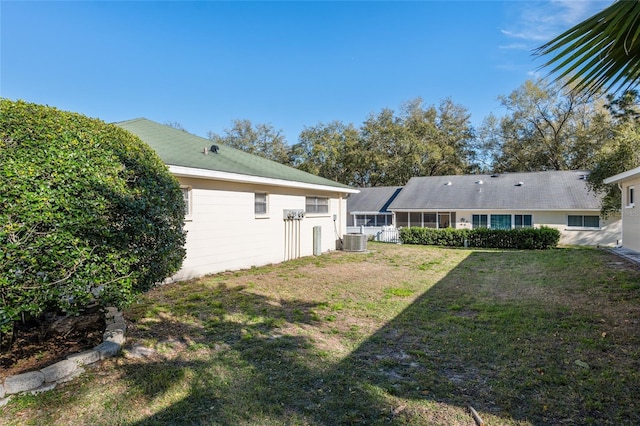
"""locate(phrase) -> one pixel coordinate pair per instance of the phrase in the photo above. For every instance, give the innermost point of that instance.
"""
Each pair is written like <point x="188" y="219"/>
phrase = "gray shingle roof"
<point x="550" y="190"/>
<point x="372" y="200"/>
<point x="179" y="148"/>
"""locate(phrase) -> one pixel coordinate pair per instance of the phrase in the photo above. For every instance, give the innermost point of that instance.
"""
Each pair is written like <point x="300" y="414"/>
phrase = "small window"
<point x="522" y="221"/>
<point x="631" y="196"/>
<point x="260" y="203"/>
<point x="186" y="196"/>
<point x="583" y="221"/>
<point x="479" y="221"/>
<point x="317" y="205"/>
<point x="592" y="222"/>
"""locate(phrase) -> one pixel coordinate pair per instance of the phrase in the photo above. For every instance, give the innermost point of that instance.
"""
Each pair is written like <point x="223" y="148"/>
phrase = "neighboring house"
<point x="629" y="183"/>
<point x="558" y="199"/>
<point x="243" y="210"/>
<point x="367" y="211"/>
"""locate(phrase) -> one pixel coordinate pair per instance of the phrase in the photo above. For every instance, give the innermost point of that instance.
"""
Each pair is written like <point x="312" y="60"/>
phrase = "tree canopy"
<point x="389" y="148"/>
<point x="546" y="127"/>
<point x="260" y="139"/>
<point x="88" y="213"/>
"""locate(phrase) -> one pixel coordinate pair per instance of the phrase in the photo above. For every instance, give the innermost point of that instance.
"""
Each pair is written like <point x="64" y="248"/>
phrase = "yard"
<point x="398" y="335"/>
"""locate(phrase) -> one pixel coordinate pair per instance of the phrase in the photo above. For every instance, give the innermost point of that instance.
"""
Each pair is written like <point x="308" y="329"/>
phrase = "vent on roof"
<point x="584" y="177"/>
<point x="479" y="182"/>
<point x="214" y="149"/>
<point x="495" y="175"/>
<point x="520" y="184"/>
<point x="448" y="183"/>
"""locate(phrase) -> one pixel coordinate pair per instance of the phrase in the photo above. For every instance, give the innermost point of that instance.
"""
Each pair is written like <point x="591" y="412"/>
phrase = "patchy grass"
<point x="398" y="335"/>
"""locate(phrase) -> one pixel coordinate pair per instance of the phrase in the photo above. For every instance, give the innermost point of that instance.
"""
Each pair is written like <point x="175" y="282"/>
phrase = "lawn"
<point x="398" y="335"/>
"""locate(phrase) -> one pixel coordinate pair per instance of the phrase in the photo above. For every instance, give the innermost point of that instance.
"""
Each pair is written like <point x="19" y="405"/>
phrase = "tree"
<point x="88" y="213"/>
<point x="619" y="156"/>
<point x="547" y="127"/>
<point x="389" y="148"/>
<point x="602" y="52"/>
<point x="175" y="125"/>
<point x="622" y="153"/>
<point x="454" y="138"/>
<point x="331" y="151"/>
<point x="625" y="107"/>
<point x="262" y="139"/>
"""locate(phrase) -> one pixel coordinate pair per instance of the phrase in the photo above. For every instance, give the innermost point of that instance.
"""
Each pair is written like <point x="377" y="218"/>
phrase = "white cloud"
<point x="514" y="46"/>
<point x="534" y="74"/>
<point x="540" y="21"/>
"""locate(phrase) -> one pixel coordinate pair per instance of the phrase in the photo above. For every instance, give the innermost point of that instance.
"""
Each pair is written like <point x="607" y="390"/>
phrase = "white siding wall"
<point x="631" y="216"/>
<point x="224" y="233"/>
<point x="608" y="234"/>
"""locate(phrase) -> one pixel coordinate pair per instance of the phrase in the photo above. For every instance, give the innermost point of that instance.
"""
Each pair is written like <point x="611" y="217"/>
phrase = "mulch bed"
<point x="38" y="344"/>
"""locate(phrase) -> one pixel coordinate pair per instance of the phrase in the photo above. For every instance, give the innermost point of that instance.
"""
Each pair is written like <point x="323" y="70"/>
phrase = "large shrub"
<point x="88" y="212"/>
<point x="519" y="238"/>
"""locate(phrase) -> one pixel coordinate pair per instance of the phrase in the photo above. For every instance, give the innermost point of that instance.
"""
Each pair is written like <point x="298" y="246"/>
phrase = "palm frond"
<point x="601" y="52"/>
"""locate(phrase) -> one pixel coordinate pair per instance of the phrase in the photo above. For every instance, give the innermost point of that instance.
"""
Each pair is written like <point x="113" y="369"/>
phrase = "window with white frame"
<point x="579" y="221"/>
<point x="186" y="196"/>
<point x="479" y="221"/>
<point x="260" y="203"/>
<point x="317" y="205"/>
<point x="522" y="221"/>
<point x="501" y="221"/>
<point x="631" y="196"/>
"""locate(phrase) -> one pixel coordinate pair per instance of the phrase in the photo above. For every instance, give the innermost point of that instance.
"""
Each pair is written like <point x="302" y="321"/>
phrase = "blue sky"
<point x="289" y="64"/>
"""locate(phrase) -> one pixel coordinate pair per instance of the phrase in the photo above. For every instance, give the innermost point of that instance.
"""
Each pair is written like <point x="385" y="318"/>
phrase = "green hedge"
<point x="520" y="238"/>
<point x="88" y="213"/>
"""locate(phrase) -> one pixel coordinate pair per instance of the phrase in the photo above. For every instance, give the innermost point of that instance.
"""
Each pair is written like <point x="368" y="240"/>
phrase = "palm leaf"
<point x="601" y="52"/>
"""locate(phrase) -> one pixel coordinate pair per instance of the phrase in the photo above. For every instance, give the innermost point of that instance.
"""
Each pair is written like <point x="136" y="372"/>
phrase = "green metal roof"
<point x="179" y="148"/>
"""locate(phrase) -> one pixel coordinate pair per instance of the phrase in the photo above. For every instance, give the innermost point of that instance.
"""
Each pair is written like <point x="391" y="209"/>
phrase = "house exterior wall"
<point x="631" y="215"/>
<point x="608" y="234"/>
<point x="225" y="233"/>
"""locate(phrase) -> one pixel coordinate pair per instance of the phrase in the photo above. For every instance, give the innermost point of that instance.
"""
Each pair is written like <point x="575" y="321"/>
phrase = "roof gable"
<point x="179" y="148"/>
<point x="549" y="190"/>
<point x="373" y="200"/>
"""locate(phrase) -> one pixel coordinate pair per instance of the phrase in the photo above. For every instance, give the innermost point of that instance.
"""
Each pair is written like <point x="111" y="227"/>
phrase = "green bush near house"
<point x="519" y="238"/>
<point x="88" y="212"/>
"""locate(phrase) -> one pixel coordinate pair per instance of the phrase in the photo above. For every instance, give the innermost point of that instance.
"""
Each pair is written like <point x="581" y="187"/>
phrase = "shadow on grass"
<point x="528" y="352"/>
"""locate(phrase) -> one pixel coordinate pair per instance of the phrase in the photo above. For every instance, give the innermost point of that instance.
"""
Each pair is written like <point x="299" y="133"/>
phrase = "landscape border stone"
<point x="68" y="369"/>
